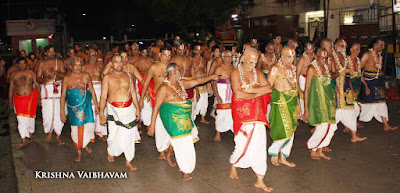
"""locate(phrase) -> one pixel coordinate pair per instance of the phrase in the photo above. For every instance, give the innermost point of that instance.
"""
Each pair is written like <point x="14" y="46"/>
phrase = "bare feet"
<point x="212" y="114"/>
<point x="186" y="177"/>
<point x="275" y="160"/>
<point x="356" y="139"/>
<point x="321" y="154"/>
<point x="78" y="157"/>
<point x="312" y="130"/>
<point x="389" y="128"/>
<point x="169" y="160"/>
<point x="217" y="136"/>
<point x="130" y="166"/>
<point x="48" y="137"/>
<point x="233" y="173"/>
<point x="21" y="144"/>
<point x="88" y="149"/>
<point x="314" y="155"/>
<point x="110" y="158"/>
<point x="59" y="141"/>
<point x="102" y="139"/>
<point x="359" y="126"/>
<point x="284" y="161"/>
<point x="262" y="185"/>
<point x="203" y="120"/>
<point x="162" y="156"/>
<point x="327" y="149"/>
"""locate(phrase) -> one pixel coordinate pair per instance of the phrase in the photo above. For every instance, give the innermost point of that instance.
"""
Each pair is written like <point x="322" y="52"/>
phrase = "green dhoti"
<point x="283" y="114"/>
<point x="176" y="118"/>
<point x="321" y="103"/>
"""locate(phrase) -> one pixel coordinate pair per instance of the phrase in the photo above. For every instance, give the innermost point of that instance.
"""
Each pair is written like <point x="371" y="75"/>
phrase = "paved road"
<point x="369" y="166"/>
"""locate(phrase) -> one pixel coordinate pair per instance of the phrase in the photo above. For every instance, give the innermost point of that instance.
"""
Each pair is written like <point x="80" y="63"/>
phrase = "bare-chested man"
<point x="156" y="74"/>
<point x="250" y="89"/>
<point x="155" y="50"/>
<point x="267" y="59"/>
<point x="223" y="94"/>
<point x="70" y="54"/>
<point x="143" y="64"/>
<point x="171" y="101"/>
<point x="200" y="68"/>
<point x="283" y="123"/>
<point x="49" y="75"/>
<point x="24" y="98"/>
<point x="207" y="51"/>
<point x="302" y="66"/>
<point x="373" y="103"/>
<point x="277" y="39"/>
<point x="95" y="72"/>
<point x="216" y="53"/>
<point x="109" y="55"/>
<point x="95" y="46"/>
<point x="80" y="54"/>
<point x="77" y="94"/>
<point x="127" y="67"/>
<point x="118" y="94"/>
<point x="135" y="53"/>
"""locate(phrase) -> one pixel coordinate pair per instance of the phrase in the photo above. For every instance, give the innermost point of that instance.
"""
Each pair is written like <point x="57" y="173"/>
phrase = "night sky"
<point x="103" y="18"/>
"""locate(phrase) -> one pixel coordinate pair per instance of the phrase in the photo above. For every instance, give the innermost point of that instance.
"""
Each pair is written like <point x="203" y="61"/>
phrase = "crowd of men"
<point x="164" y="88"/>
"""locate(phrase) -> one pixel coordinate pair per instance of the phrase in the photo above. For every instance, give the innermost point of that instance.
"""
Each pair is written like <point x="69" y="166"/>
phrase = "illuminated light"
<point x="133" y="25"/>
<point x="315" y="14"/>
<point x="50" y="36"/>
<point x="84" y="14"/>
<point x="104" y="38"/>
<point x="348" y="20"/>
<point x="197" y="34"/>
<point x="235" y="15"/>
<point x="140" y="42"/>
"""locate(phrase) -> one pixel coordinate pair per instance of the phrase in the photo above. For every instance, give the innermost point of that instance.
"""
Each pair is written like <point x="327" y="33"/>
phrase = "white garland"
<point x="378" y="63"/>
<point x="325" y="80"/>
<point x="247" y="86"/>
<point x="351" y="65"/>
<point x="341" y="68"/>
<point x="182" y="94"/>
<point x="290" y="74"/>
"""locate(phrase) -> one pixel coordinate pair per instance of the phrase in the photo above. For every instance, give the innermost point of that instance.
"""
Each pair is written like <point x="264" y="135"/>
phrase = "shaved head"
<point x="250" y="57"/>
<point x="288" y="55"/>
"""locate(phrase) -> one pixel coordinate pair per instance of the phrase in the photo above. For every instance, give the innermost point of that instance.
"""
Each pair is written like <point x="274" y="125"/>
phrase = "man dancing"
<point x="284" y="108"/>
<point x="249" y="102"/>
<point x="118" y="93"/>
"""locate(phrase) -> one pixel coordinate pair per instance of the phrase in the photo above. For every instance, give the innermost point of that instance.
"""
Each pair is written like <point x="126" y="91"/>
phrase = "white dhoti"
<point x="377" y="111"/>
<point x="82" y="135"/>
<point x="223" y="120"/>
<point x="145" y="114"/>
<point x="194" y="104"/>
<point x="321" y="137"/>
<point x="281" y="146"/>
<point x="163" y="140"/>
<point x="26" y="125"/>
<point x="51" y="108"/>
<point x="100" y="130"/>
<point x="185" y="153"/>
<point x="121" y="139"/>
<point x="302" y="83"/>
<point x="347" y="117"/>
<point x="251" y="149"/>
<point x="357" y="109"/>
<point x="202" y="105"/>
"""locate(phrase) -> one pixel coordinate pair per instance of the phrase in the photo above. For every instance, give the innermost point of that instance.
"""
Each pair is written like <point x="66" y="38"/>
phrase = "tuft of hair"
<point x="170" y="68"/>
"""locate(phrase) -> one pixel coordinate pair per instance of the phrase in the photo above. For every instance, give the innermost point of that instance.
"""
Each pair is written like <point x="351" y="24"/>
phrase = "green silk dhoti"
<point x="283" y="114"/>
<point x="176" y="118"/>
<point x="321" y="103"/>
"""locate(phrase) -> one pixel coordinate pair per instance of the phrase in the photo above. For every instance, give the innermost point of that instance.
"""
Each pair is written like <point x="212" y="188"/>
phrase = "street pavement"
<point x="369" y="166"/>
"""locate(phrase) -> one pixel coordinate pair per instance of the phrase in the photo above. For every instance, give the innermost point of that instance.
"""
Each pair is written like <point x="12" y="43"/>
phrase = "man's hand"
<point x="367" y="91"/>
<point x="215" y="76"/>
<point x="63" y="117"/>
<point x="141" y="103"/>
<point x="305" y="116"/>
<point x="137" y="114"/>
<point x="150" y="131"/>
<point x="96" y="110"/>
<point x="102" y="119"/>
<point x="299" y="114"/>
<point x="11" y="104"/>
<point x="219" y="100"/>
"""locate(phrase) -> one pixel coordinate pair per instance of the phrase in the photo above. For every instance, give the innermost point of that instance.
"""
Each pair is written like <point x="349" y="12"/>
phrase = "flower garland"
<point x="378" y="63"/>
<point x="247" y="86"/>
<point x="182" y="94"/>
<point x="337" y="61"/>
<point x="326" y="80"/>
<point x="351" y="65"/>
<point x="290" y="74"/>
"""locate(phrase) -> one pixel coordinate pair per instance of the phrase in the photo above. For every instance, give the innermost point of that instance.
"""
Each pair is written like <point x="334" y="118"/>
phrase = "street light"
<point x="84" y="14"/>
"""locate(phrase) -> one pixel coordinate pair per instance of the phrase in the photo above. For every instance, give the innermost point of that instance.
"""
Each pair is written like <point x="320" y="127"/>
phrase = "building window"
<point x="42" y="42"/>
<point x="25" y="45"/>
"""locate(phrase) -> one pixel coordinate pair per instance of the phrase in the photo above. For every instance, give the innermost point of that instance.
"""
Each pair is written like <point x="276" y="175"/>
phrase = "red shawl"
<point x="249" y="111"/>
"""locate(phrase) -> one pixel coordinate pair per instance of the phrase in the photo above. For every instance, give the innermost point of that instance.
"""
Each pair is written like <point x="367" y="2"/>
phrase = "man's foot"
<point x="346" y="130"/>
<point x="263" y="186"/>
<point x="312" y="130"/>
<point x="284" y="161"/>
<point x="359" y="126"/>
<point x="20" y="145"/>
<point x="88" y="149"/>
<point x="110" y="158"/>
<point x="186" y="177"/>
<point x="130" y="166"/>
<point x="212" y="114"/>
<point x="233" y="173"/>
<point x="78" y="157"/>
<point x="321" y="154"/>
<point x="275" y="160"/>
<point x="217" y="136"/>
<point x="169" y="160"/>
<point x="389" y="128"/>
<point x="356" y="139"/>
<point x="59" y="141"/>
<point x="314" y="155"/>
<point x="204" y="121"/>
<point x="327" y="149"/>
<point x="48" y="137"/>
<point x="162" y="156"/>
